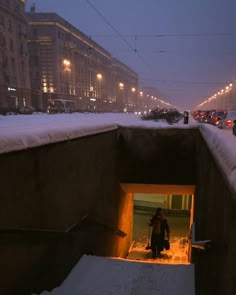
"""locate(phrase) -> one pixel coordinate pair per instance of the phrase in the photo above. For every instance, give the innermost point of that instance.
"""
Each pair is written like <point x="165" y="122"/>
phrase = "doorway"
<point x="177" y="204"/>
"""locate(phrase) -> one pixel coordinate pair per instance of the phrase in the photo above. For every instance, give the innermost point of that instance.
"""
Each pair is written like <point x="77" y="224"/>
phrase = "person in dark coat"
<point x="160" y="228"/>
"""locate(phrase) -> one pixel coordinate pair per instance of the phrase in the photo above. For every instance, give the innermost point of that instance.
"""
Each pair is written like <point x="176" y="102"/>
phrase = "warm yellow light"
<point x="121" y="85"/>
<point x="67" y="65"/>
<point x="133" y="89"/>
<point x="99" y="76"/>
<point x="66" y="62"/>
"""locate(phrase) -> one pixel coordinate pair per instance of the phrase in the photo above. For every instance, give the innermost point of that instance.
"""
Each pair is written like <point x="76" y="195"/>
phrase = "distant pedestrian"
<point x="185" y="117"/>
<point x="160" y="229"/>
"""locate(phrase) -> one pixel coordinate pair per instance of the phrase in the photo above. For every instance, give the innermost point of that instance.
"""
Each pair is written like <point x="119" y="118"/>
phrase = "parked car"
<point x="26" y="110"/>
<point x="234" y="128"/>
<point x="227" y="121"/>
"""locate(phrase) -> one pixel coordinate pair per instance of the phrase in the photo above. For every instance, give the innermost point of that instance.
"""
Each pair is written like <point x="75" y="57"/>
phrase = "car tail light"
<point x="217" y="119"/>
<point x="229" y="123"/>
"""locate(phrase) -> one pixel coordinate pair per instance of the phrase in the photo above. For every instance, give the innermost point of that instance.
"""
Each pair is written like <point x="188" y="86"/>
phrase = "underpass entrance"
<point x="177" y="203"/>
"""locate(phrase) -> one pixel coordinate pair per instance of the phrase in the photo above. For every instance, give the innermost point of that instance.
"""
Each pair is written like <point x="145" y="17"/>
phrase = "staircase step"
<point x="116" y="276"/>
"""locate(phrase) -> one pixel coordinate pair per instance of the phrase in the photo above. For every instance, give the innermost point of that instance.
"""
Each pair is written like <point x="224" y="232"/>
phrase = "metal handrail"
<point x="202" y="245"/>
<point x="73" y="228"/>
<point x="97" y="221"/>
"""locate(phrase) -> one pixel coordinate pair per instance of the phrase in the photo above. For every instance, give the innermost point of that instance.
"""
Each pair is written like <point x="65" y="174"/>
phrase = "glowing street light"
<point x="67" y="65"/>
<point x="99" y="77"/>
<point x="121" y="85"/>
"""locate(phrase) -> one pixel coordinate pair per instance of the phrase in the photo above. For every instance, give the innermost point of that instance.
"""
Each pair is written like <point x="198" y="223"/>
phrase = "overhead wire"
<point x="172" y="35"/>
<point x="134" y="49"/>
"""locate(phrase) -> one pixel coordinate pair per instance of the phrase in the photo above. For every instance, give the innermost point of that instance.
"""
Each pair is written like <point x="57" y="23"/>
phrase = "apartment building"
<point x="14" y="58"/>
<point x="67" y="64"/>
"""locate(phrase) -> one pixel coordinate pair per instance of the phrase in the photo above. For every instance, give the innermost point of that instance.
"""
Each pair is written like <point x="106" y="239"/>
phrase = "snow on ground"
<point x="107" y="276"/>
<point x="18" y="132"/>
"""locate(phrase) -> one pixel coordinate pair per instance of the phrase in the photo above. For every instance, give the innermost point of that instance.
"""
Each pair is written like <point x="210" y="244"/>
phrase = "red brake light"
<point x="229" y="123"/>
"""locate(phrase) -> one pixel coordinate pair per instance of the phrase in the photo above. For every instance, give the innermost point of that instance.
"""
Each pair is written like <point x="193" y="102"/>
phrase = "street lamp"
<point x="133" y="98"/>
<point x="67" y="70"/>
<point x="99" y="77"/>
<point x="121" y="87"/>
<point x="67" y="65"/>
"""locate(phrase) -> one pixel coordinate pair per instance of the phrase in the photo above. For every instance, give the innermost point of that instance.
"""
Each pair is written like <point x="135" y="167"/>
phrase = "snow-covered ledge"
<point x="222" y="144"/>
<point x="27" y="131"/>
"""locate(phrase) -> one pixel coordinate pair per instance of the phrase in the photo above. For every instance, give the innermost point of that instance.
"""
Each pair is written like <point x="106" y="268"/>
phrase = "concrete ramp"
<point x="111" y="276"/>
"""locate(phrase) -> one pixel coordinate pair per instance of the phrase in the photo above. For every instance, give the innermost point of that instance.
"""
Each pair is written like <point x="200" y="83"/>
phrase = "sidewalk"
<point x="176" y="255"/>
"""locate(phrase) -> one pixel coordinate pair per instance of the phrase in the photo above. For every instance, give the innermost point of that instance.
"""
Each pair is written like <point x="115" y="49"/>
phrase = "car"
<point x="217" y="117"/>
<point x="25" y="110"/>
<point x="234" y="127"/>
<point x="209" y="116"/>
<point x="227" y="121"/>
<point x="203" y="116"/>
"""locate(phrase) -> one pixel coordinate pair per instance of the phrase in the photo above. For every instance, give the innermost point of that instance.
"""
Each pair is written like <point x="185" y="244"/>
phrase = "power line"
<point x="171" y="35"/>
<point x="110" y="25"/>
<point x="119" y="34"/>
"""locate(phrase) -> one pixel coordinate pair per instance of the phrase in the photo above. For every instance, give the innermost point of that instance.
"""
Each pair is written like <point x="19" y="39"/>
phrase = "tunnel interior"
<point x="177" y="205"/>
<point x="161" y="162"/>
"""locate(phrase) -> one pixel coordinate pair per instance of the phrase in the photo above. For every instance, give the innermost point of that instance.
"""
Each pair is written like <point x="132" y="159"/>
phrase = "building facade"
<point x="67" y="64"/>
<point x="170" y="202"/>
<point x="125" y="87"/>
<point x="14" y="58"/>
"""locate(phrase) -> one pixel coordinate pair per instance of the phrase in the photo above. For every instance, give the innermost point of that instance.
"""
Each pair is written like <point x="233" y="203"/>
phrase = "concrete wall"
<point x="182" y="157"/>
<point x="48" y="190"/>
<point x="162" y="156"/>
<point x="45" y="192"/>
<point x="215" y="217"/>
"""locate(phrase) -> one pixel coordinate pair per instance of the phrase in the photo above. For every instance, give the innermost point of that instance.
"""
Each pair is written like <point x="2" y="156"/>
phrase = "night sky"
<point x="185" y="48"/>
